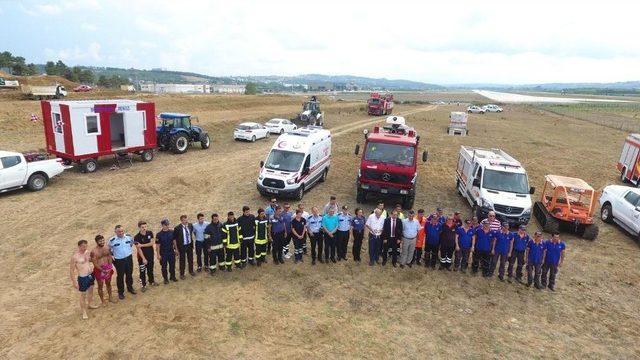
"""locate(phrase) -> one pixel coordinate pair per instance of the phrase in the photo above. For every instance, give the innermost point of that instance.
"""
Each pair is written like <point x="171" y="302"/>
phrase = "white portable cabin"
<point x="458" y="123"/>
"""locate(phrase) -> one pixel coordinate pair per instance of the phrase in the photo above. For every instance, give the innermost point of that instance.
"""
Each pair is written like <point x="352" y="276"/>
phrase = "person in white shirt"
<point x="374" y="225"/>
<point x="410" y="228"/>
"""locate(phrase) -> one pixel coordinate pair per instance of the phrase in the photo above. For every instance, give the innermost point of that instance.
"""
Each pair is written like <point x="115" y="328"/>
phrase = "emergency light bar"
<point x="503" y="163"/>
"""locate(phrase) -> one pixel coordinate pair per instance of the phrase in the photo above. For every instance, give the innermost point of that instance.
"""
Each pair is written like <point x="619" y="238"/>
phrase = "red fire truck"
<point x="380" y="104"/>
<point x="629" y="163"/>
<point x="389" y="162"/>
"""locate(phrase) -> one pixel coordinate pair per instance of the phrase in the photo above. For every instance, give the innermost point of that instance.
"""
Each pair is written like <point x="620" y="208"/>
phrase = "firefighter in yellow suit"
<point x="231" y="240"/>
<point x="262" y="237"/>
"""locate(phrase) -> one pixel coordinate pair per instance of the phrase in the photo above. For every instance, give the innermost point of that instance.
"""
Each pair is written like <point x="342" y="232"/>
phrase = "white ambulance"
<point x="297" y="161"/>
<point x="492" y="180"/>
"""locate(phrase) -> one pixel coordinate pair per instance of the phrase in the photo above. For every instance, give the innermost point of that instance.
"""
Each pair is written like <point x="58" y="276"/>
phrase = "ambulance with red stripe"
<point x="629" y="163"/>
<point x="297" y="161"/>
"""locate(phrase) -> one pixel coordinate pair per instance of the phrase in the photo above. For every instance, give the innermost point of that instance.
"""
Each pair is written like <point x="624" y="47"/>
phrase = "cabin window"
<point x="57" y="123"/>
<point x="93" y="124"/>
<point x="10" y="161"/>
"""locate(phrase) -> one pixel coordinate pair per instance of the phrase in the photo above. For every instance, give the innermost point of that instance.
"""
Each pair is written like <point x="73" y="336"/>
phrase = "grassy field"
<point x="621" y="116"/>
<point x="346" y="310"/>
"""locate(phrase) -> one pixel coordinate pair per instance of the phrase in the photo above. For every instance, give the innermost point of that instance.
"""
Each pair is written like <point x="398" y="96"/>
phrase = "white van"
<point x="297" y="161"/>
<point x="492" y="180"/>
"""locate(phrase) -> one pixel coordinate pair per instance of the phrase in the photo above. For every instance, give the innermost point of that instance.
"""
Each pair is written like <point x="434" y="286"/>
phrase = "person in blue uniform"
<point x="553" y="258"/>
<point x="466" y="242"/>
<point x="432" y="242"/>
<point x="314" y="228"/>
<point x="278" y="235"/>
<point x="501" y="250"/>
<point x="482" y="252"/>
<point x="166" y="250"/>
<point x="534" y="255"/>
<point x="520" y="241"/>
<point x="357" y="229"/>
<point x="121" y="246"/>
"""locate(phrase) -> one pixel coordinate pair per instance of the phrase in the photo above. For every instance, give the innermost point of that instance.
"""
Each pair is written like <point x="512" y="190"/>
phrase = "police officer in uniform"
<point x="121" y="249"/>
<point x="278" y="235"/>
<point x="261" y="237"/>
<point x="232" y="237"/>
<point x="342" y="235"/>
<point x="314" y="227"/>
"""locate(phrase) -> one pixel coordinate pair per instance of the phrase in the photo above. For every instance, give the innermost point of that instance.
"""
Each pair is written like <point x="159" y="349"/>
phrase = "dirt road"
<point x="346" y="310"/>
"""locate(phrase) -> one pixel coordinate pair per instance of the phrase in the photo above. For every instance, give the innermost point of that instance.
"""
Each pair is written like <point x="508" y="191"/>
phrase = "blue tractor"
<point x="176" y="133"/>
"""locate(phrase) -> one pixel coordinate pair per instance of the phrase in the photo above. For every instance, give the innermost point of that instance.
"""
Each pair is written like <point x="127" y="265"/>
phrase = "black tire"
<point x="590" y="232"/>
<point x="623" y="176"/>
<point x="147" y="155"/>
<point x="205" y="141"/>
<point x="281" y="131"/>
<point x="89" y="165"/>
<point x="361" y="196"/>
<point x="67" y="162"/>
<point x="458" y="187"/>
<point x="268" y="134"/>
<point x="37" y="182"/>
<point x="300" y="193"/>
<point x="323" y="177"/>
<point x="546" y="221"/>
<point x="606" y="213"/>
<point x="407" y="202"/>
<point x="179" y="143"/>
<point x="253" y="138"/>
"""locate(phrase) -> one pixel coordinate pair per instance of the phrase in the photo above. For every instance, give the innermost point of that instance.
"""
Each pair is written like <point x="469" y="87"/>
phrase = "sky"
<point x="444" y="42"/>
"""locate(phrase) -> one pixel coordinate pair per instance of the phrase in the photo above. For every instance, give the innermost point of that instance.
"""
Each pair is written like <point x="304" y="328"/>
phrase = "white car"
<point x="621" y="204"/>
<point x="475" y="110"/>
<point x="17" y="171"/>
<point x="492" y="108"/>
<point x="280" y="126"/>
<point x="250" y="131"/>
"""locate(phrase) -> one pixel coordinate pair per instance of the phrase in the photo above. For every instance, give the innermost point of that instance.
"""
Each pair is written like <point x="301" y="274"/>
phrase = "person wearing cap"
<point x="213" y="243"/>
<point x="329" y="227"/>
<point x="535" y="255"/>
<point x="198" y="231"/>
<point x="465" y="245"/>
<point x="391" y="238"/>
<point x="247" y="222"/>
<point x="166" y="251"/>
<point x="482" y="251"/>
<point x="184" y="239"/>
<point x="448" y="241"/>
<point x="422" y="220"/>
<point x="432" y="231"/>
<point x="410" y="229"/>
<point x="314" y="228"/>
<point x="299" y="233"/>
<point x="342" y="235"/>
<point x="494" y="223"/>
<point x="375" y="224"/>
<point x="501" y="250"/>
<point x="520" y="241"/>
<point x="553" y="258"/>
<point x="357" y="231"/>
<point x="231" y="239"/>
<point x="278" y="234"/>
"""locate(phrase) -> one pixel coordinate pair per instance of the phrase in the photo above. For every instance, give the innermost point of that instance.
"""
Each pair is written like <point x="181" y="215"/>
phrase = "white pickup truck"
<point x="17" y="171"/>
<point x="621" y="204"/>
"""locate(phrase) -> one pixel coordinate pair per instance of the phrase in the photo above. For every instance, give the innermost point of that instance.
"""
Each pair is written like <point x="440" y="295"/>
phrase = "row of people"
<point x="405" y="240"/>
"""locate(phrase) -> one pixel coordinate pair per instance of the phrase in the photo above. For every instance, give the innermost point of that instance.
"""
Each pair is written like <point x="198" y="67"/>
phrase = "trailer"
<point x="458" y="123"/>
<point x="85" y="130"/>
<point x="4" y="83"/>
<point x="629" y="163"/>
<point x="44" y="92"/>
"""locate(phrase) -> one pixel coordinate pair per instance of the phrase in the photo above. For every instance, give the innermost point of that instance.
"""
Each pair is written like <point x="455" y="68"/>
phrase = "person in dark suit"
<point x="183" y="234"/>
<point x="391" y="238"/>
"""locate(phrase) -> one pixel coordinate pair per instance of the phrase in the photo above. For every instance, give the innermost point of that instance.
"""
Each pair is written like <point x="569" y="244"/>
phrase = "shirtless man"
<point x="102" y="267"/>
<point x="84" y="282"/>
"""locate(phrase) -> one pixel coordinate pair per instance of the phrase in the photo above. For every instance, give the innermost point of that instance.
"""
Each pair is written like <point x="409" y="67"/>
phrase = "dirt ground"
<point x="346" y="310"/>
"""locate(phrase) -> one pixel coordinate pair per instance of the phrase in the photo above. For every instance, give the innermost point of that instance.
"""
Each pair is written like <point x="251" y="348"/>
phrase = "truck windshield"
<point x="390" y="153"/>
<point x="284" y="160"/>
<point x="374" y="101"/>
<point x="505" y="181"/>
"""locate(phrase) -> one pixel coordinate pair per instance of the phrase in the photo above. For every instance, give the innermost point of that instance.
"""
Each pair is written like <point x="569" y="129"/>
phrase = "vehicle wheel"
<point x="467" y="132"/>
<point x="476" y="212"/>
<point x="147" y="155"/>
<point x="281" y="131"/>
<point x="205" y="141"/>
<point x="590" y="232"/>
<point x="89" y="165"/>
<point x="300" y="193"/>
<point x="361" y="196"/>
<point x="268" y="135"/>
<point x="458" y="187"/>
<point x="66" y="162"/>
<point x="253" y="138"/>
<point x="469" y="112"/>
<point x="37" y="182"/>
<point x="548" y="222"/>
<point x="323" y="178"/>
<point x="606" y="214"/>
<point x="448" y="129"/>
<point x="623" y="176"/>
<point x="407" y="202"/>
<point x="179" y="143"/>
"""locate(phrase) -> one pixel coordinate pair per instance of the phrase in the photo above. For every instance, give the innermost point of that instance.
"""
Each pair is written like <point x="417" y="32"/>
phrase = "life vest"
<point x="261" y="231"/>
<point x="232" y="236"/>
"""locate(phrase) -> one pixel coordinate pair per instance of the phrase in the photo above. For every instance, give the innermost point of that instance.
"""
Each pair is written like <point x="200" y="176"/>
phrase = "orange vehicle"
<point x="568" y="204"/>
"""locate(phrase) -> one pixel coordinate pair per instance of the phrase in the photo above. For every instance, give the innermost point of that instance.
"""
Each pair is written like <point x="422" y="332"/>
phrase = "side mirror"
<point x="476" y="182"/>
<point x="532" y="190"/>
<point x="366" y="133"/>
<point x="425" y="155"/>
<point x="638" y="208"/>
<point x="261" y="164"/>
<point x="357" y="151"/>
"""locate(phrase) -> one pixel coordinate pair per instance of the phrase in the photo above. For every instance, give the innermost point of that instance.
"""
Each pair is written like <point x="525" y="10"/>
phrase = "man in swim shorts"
<point x="102" y="267"/>
<point x="81" y="265"/>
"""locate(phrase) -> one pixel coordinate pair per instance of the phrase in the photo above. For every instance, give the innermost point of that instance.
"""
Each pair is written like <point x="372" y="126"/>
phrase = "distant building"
<point x="321" y="86"/>
<point x="228" y="89"/>
<point x="176" y="88"/>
